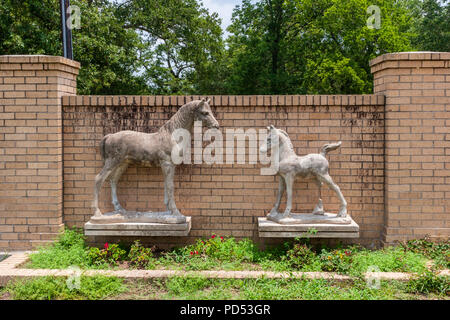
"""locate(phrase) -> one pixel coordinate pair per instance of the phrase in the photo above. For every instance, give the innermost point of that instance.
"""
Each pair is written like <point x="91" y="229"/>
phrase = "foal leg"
<point x="343" y="209"/>
<point x="281" y="187"/>
<point x="289" y="180"/>
<point x="319" y="207"/>
<point x="169" y="171"/>
<point x="99" y="180"/>
<point x="114" y="178"/>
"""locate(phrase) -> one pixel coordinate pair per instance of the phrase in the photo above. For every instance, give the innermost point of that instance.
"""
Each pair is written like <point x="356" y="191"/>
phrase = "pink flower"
<point x="221" y="238"/>
<point x="213" y="236"/>
<point x="106" y="246"/>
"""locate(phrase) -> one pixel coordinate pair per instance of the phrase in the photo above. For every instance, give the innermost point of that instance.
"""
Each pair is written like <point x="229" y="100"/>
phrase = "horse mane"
<point x="286" y="139"/>
<point x="179" y="118"/>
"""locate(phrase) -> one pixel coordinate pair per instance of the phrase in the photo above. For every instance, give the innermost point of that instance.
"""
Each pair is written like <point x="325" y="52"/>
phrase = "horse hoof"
<point x="98" y="213"/>
<point x="319" y="212"/>
<point x="342" y="213"/>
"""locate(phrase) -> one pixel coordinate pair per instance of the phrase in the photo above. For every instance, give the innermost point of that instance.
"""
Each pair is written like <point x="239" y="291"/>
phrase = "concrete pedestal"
<point x="144" y="229"/>
<point x="270" y="229"/>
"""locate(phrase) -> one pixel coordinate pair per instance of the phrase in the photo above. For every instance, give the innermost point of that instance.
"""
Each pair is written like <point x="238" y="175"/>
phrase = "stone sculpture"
<point x="312" y="165"/>
<point x="119" y="150"/>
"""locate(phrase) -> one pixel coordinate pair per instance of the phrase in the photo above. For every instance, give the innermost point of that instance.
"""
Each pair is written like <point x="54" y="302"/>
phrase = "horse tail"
<point x="102" y="146"/>
<point x="329" y="147"/>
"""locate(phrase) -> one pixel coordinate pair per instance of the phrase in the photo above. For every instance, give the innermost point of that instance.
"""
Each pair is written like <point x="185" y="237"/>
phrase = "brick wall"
<point x="417" y="191"/>
<point x="393" y="166"/>
<point x="227" y="199"/>
<point x="31" y="147"/>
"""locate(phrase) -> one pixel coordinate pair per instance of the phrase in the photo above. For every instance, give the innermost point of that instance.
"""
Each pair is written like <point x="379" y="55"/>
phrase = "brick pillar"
<point x="31" y="191"/>
<point x="417" y="134"/>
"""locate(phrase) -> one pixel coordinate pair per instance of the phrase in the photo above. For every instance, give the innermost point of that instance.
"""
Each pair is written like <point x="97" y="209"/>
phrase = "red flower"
<point x="221" y="238"/>
<point x="213" y="236"/>
<point x="196" y="252"/>
<point x="106" y="246"/>
<point x="347" y="253"/>
<point x="192" y="253"/>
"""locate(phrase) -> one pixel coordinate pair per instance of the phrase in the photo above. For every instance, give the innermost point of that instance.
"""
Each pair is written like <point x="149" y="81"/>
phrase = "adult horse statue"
<point x="123" y="148"/>
<point x="312" y="165"/>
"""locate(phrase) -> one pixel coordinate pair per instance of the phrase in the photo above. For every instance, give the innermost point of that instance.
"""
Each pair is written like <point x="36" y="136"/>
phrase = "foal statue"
<point x="290" y="165"/>
<point x="118" y="150"/>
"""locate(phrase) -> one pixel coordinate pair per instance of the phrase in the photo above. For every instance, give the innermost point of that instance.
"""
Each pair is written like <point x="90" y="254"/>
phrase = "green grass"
<point x="52" y="288"/>
<point x="218" y="253"/>
<point x="201" y="288"/>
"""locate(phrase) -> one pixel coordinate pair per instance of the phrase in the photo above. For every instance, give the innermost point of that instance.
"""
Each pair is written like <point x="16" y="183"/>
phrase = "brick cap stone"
<point x="53" y="62"/>
<point x="418" y="55"/>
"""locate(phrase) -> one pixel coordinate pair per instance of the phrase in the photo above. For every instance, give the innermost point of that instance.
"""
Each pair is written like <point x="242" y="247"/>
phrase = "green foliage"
<point x="52" y="288"/>
<point x="111" y="254"/>
<point x="429" y="282"/>
<point x="68" y="250"/>
<point x="336" y="260"/>
<point x="300" y="255"/>
<point x="314" y="46"/>
<point x="391" y="259"/>
<point x="139" y="256"/>
<point x="438" y="251"/>
<point x="432" y="18"/>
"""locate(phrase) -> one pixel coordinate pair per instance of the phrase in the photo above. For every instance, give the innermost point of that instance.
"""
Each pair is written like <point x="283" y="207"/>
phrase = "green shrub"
<point x="439" y="252"/>
<point x="68" y="250"/>
<point x="429" y="282"/>
<point x="111" y="254"/>
<point x="228" y="250"/>
<point x="139" y="256"/>
<point x="338" y="260"/>
<point x="300" y="255"/>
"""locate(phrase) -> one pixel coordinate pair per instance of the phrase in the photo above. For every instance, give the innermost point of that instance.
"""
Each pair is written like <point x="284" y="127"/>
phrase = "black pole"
<point x="66" y="32"/>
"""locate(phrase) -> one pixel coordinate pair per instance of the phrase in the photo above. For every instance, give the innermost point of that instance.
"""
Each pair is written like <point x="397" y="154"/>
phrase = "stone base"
<point x="138" y="217"/>
<point x="270" y="229"/>
<point x="307" y="218"/>
<point x="144" y="229"/>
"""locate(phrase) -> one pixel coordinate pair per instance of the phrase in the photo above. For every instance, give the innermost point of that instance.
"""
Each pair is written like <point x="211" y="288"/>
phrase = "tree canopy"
<point x="273" y="47"/>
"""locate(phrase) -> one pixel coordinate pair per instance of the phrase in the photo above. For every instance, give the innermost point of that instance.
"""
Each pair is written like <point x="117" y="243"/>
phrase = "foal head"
<point x="275" y="138"/>
<point x="203" y="113"/>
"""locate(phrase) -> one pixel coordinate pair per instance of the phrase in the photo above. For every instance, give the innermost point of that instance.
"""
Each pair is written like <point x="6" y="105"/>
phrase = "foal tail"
<point x="102" y="146"/>
<point x="329" y="147"/>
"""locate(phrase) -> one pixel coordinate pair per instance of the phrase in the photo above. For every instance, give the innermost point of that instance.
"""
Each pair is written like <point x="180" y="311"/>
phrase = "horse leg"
<point x="169" y="171"/>
<point x="289" y="180"/>
<point x="114" y="178"/>
<point x="319" y="207"/>
<point x="327" y="179"/>
<point x="99" y="180"/>
<point x="281" y="187"/>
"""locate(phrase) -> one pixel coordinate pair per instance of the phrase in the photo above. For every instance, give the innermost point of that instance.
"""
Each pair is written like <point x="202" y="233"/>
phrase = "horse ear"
<point x="208" y="101"/>
<point x="272" y="126"/>
<point x="201" y="103"/>
<point x="268" y="128"/>
<point x="284" y="132"/>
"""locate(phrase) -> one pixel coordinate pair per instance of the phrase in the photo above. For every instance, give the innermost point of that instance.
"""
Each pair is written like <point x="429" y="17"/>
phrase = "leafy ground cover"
<point x="198" y="288"/>
<point x="219" y="253"/>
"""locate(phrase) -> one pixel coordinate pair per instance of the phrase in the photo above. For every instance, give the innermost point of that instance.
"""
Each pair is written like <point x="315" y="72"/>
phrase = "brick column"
<point x="31" y="88"/>
<point x="417" y="169"/>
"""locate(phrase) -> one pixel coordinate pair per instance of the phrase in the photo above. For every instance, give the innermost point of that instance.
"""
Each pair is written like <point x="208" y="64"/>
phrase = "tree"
<point x="182" y="45"/>
<point x="311" y="46"/>
<point x="432" y="26"/>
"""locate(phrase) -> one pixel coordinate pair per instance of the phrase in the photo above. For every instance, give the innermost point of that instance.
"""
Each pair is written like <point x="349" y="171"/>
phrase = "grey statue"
<point x="290" y="165"/>
<point x="120" y="149"/>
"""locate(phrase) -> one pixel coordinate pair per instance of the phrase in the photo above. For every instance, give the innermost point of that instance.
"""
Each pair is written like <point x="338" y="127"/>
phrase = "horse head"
<point x="274" y="138"/>
<point x="204" y="114"/>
